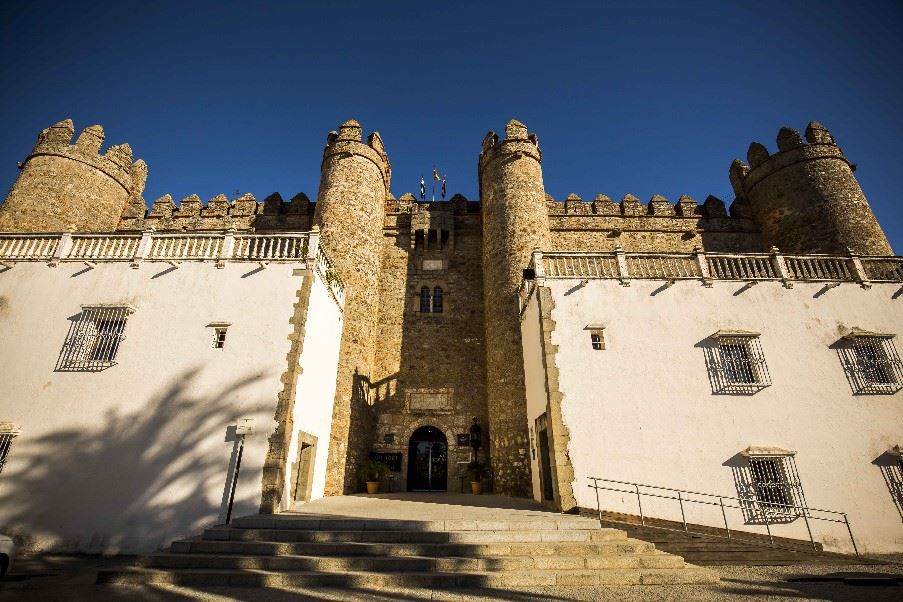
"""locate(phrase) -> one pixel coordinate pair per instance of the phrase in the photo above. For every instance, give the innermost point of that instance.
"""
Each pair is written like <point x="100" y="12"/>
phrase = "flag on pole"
<point x="436" y="174"/>
<point x="422" y="189"/>
<point x="443" y="187"/>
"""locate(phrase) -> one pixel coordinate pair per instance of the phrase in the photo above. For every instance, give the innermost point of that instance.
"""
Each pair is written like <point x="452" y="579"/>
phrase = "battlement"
<point x="517" y="141"/>
<point x="408" y="203"/>
<point x="792" y="149"/>
<point x="220" y="213"/>
<point x="349" y="141"/>
<point x="658" y="206"/>
<point x="116" y="162"/>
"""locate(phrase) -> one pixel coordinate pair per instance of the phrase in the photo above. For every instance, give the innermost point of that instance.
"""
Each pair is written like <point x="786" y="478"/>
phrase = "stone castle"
<point x="432" y="334"/>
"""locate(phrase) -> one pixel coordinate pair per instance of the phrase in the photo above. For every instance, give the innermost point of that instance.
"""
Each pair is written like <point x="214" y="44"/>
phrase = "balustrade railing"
<point x="28" y="247"/>
<point x="623" y="266"/>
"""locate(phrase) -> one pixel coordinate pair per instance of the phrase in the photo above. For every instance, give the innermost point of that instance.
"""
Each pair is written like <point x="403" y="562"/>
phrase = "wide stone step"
<point x="486" y="536"/>
<point x="295" y="563"/>
<point x="256" y="548"/>
<point x="443" y="580"/>
<point x="557" y="522"/>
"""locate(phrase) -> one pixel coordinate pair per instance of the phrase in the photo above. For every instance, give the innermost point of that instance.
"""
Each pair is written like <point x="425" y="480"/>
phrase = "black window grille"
<point x="771" y="489"/>
<point x="219" y="338"/>
<point x="94" y="338"/>
<point x="596" y="341"/>
<point x="6" y="442"/>
<point x="737" y="364"/>
<point x="872" y="364"/>
<point x="437" y="300"/>
<point x="425" y="300"/>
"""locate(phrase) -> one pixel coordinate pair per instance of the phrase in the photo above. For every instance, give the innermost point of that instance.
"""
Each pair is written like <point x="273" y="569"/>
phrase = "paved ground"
<point x="72" y="578"/>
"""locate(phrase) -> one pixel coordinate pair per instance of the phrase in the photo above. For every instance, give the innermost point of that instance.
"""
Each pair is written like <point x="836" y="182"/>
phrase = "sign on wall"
<point x="390" y="459"/>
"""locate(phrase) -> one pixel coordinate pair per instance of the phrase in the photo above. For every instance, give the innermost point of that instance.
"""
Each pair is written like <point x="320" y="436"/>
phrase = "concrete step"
<point x="486" y="536"/>
<point x="434" y="579"/>
<point x="287" y="521"/>
<point x="388" y="564"/>
<point x="617" y="546"/>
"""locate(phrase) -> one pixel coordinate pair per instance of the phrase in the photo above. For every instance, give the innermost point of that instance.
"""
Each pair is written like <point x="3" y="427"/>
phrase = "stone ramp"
<point x="399" y="542"/>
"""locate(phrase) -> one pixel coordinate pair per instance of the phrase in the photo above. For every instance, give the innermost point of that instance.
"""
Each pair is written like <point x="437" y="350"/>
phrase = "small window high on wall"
<point x="437" y="300"/>
<point x="425" y="300"/>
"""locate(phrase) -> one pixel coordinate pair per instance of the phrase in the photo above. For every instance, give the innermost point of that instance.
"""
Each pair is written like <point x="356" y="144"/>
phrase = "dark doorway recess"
<point x="428" y="460"/>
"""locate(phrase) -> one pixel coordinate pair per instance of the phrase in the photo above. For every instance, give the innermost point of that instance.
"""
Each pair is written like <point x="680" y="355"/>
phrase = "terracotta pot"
<point x="372" y="486"/>
<point x="476" y="487"/>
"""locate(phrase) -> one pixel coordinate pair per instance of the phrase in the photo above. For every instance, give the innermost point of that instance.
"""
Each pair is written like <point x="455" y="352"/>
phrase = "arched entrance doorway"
<point x="428" y="460"/>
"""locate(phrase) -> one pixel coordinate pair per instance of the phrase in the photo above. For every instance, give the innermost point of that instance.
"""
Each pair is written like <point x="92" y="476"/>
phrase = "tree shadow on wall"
<point x="134" y="479"/>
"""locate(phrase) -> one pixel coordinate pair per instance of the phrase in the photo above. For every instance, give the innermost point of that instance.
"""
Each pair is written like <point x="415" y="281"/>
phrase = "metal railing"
<point x="724" y="502"/>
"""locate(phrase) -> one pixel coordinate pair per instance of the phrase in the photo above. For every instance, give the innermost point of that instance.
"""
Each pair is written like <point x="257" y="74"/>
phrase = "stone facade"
<point x="401" y="368"/>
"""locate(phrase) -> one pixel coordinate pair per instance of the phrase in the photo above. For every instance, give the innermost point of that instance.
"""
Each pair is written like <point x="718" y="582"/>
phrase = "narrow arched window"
<point x="425" y="300"/>
<point x="437" y="300"/>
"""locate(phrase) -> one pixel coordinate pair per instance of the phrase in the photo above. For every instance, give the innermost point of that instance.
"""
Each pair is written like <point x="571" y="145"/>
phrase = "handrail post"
<point x="313" y="244"/>
<point x="144" y="247"/>
<point x="63" y="248"/>
<point x="623" y="274"/>
<point x="768" y="527"/>
<point x="683" y="517"/>
<point x="859" y="269"/>
<point x="850" y="531"/>
<point x="809" y="529"/>
<point x="640" y="504"/>
<point x="703" y="266"/>
<point x="598" y="505"/>
<point x="539" y="270"/>
<point x="228" y="248"/>
<point x="724" y="515"/>
<point x="781" y="267"/>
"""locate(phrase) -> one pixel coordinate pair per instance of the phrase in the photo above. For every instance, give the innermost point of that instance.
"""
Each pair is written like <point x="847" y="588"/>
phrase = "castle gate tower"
<point x="515" y="220"/>
<point x="354" y="185"/>
<point x="66" y="186"/>
<point x="806" y="198"/>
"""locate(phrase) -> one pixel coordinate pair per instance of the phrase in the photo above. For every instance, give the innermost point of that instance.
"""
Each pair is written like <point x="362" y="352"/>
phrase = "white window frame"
<point x="216" y="342"/>
<point x="90" y="347"/>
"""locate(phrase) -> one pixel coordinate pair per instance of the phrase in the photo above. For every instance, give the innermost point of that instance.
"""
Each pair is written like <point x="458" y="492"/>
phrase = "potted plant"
<point x="477" y="471"/>
<point x="372" y="472"/>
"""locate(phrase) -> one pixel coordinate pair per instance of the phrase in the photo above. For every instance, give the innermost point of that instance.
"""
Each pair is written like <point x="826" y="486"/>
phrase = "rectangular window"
<point x="219" y="337"/>
<point x="738" y="363"/>
<point x="871" y="362"/>
<point x="94" y="338"/>
<point x="772" y="486"/>
<point x="8" y="432"/>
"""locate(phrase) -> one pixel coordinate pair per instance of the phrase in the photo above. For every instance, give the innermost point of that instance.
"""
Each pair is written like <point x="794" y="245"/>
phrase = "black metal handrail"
<point x="804" y="511"/>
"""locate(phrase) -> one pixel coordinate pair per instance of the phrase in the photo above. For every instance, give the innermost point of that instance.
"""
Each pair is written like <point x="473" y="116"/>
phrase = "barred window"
<point x="737" y="363"/>
<point x="771" y="487"/>
<point x="219" y="338"/>
<point x="871" y="362"/>
<point x="8" y="432"/>
<point x="425" y="300"/>
<point x="437" y="300"/>
<point x="94" y="337"/>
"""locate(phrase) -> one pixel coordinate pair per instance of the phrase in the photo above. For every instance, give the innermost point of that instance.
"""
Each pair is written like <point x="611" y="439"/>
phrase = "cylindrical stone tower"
<point x="515" y="220"/>
<point x="66" y="186"/>
<point x="806" y="198"/>
<point x="354" y="185"/>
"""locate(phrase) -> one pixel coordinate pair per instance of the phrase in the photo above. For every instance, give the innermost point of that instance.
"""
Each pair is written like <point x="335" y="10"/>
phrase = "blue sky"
<point x="634" y="97"/>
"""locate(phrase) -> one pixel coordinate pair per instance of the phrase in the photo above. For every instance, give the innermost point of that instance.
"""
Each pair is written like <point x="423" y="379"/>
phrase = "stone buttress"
<point x="354" y="185"/>
<point x="515" y="220"/>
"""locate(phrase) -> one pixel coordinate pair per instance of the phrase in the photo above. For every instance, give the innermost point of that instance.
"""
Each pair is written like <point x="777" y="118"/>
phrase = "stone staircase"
<point x="505" y="549"/>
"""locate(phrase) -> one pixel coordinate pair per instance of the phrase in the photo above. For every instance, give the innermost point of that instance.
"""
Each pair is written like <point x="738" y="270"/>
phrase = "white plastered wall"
<point x="315" y="394"/>
<point x="642" y="410"/>
<point x="131" y="457"/>
<point x="535" y="381"/>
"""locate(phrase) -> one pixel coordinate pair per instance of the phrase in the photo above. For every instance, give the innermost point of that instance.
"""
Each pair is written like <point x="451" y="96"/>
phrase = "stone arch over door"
<point x="409" y="430"/>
